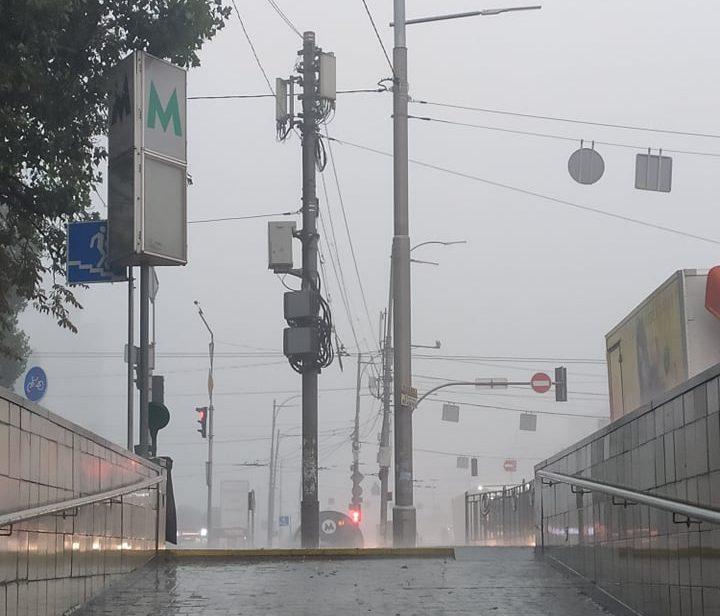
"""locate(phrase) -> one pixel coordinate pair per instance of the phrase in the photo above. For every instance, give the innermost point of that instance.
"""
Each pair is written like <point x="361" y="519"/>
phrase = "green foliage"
<point x="14" y="347"/>
<point x="55" y="58"/>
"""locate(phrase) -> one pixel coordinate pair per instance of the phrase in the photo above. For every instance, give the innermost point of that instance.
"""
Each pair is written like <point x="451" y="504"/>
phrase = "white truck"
<point x="669" y="338"/>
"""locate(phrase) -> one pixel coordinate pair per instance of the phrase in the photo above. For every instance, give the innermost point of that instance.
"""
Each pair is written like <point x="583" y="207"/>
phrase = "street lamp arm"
<point x="442" y="386"/>
<point x="484" y="13"/>
<point x="473" y="383"/>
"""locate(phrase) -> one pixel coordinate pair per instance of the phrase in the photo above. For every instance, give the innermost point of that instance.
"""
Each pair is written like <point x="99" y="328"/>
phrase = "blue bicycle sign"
<point x="35" y="383"/>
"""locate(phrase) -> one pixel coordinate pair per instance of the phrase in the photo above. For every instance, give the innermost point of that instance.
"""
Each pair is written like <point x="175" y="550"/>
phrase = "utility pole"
<point x="307" y="341"/>
<point x="310" y="506"/>
<point x="357" y="477"/>
<point x="210" y="433"/>
<point x="384" y="452"/>
<point x="144" y="364"/>
<point x="271" y="481"/>
<point x="404" y="521"/>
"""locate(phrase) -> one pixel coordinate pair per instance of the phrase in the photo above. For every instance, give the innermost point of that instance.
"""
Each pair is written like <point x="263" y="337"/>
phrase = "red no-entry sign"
<point x="510" y="465"/>
<point x="541" y="383"/>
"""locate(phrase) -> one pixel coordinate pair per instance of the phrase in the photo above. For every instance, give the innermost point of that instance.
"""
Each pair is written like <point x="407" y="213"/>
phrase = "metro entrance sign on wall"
<point x="147" y="169"/>
<point x="541" y="383"/>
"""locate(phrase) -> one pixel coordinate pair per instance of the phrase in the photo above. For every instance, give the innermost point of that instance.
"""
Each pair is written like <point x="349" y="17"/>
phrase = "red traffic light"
<point x="355" y="515"/>
<point x="202" y="420"/>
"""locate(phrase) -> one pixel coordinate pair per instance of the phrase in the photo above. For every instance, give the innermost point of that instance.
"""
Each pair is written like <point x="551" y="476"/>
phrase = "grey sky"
<point x="536" y="278"/>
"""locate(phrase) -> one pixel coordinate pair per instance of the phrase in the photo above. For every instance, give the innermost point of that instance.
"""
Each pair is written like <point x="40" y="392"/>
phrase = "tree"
<point x="14" y="347"/>
<point x="55" y="59"/>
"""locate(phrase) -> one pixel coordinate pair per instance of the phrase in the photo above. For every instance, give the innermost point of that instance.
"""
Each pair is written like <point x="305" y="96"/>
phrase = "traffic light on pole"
<point x="355" y="514"/>
<point x="202" y="420"/>
<point x="561" y="384"/>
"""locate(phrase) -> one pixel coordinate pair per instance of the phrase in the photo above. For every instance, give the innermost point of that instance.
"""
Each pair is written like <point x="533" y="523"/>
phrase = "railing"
<point x="7" y="520"/>
<point x="501" y="517"/>
<point x="691" y="513"/>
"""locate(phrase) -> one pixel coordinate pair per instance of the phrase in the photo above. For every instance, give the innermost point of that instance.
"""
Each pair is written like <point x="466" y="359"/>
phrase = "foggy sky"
<point x="536" y="278"/>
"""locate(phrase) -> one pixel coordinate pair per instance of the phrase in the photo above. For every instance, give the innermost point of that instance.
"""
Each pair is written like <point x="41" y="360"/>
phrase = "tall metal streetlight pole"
<point x="385" y="453"/>
<point x="272" y="474"/>
<point x="211" y="433"/>
<point x="404" y="518"/>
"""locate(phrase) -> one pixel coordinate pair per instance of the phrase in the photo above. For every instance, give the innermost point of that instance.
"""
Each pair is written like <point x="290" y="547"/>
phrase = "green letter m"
<point x="172" y="111"/>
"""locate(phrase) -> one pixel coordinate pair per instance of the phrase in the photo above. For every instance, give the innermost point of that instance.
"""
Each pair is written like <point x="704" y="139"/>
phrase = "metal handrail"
<point x="690" y="511"/>
<point x="9" y="519"/>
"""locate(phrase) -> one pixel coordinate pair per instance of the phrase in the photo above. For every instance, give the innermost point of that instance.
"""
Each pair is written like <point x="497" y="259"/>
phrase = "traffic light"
<point x="561" y="384"/>
<point x="202" y="420"/>
<point x="474" y="467"/>
<point x="355" y="514"/>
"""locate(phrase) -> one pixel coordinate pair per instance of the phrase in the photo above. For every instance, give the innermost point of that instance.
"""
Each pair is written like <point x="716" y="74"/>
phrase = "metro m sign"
<point x="147" y="201"/>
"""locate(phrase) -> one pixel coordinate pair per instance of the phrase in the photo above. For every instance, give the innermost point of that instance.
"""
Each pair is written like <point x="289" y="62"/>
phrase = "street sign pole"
<point x="144" y="365"/>
<point x="131" y="361"/>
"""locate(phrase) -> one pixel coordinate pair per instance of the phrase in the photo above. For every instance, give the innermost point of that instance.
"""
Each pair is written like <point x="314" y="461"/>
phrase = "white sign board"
<point x="147" y="169"/>
<point x="234" y="504"/>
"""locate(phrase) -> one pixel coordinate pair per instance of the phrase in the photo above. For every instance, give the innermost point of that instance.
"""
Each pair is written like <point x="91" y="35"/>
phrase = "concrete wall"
<point x="637" y="554"/>
<point x="51" y="564"/>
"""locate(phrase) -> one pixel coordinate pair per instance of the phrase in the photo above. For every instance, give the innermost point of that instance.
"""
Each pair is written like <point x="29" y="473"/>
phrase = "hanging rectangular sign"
<point x="653" y="172"/>
<point x="147" y="168"/>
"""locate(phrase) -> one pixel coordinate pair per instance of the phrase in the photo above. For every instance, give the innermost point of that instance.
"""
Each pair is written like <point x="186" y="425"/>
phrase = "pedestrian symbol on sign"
<point x="87" y="253"/>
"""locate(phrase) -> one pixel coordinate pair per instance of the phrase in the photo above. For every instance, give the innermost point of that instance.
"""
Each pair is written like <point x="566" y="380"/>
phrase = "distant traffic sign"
<point x="284" y="520"/>
<point x="35" y="383"/>
<point x="541" y="383"/>
<point x="87" y="262"/>
<point x="510" y="465"/>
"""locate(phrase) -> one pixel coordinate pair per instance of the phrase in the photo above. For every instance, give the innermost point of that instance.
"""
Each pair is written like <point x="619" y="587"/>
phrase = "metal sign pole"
<point x="144" y="372"/>
<point x="131" y="361"/>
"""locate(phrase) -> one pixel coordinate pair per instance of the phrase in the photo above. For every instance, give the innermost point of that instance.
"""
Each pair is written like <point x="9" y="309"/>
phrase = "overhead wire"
<point x="250" y="96"/>
<point x="349" y="235"/>
<point x="532" y="193"/>
<point x="378" y="37"/>
<point x="557" y="137"/>
<point x="250" y="217"/>
<point x="566" y="120"/>
<point x="252" y="48"/>
<point x="284" y="17"/>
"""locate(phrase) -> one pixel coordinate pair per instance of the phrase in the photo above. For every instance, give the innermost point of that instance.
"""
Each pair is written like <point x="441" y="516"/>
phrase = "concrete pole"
<point x="271" y="480"/>
<point x="211" y="436"/>
<point x="144" y="371"/>
<point x="310" y="507"/>
<point x="404" y="524"/>
<point x="355" y="499"/>
<point x="131" y="362"/>
<point x="384" y="470"/>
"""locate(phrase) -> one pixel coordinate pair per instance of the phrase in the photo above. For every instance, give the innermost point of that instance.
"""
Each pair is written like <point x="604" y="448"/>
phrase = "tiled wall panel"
<point x="51" y="564"/>
<point x="640" y="555"/>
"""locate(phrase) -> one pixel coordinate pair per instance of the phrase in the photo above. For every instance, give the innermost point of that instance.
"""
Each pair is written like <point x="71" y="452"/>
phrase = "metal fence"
<point x="501" y="518"/>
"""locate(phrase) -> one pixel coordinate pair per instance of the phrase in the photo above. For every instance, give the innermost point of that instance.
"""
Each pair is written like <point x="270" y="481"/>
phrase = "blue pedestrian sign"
<point x="35" y="383"/>
<point x="284" y="520"/>
<point x="87" y="252"/>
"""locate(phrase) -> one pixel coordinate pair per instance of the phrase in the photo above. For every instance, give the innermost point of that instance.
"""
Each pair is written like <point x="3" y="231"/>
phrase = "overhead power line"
<point x="377" y="36"/>
<point x="646" y="129"/>
<point x="246" y="96"/>
<point x="284" y="17"/>
<point x="206" y="220"/>
<point x="349" y="235"/>
<point x="532" y="193"/>
<point x="557" y="137"/>
<point x="252" y="48"/>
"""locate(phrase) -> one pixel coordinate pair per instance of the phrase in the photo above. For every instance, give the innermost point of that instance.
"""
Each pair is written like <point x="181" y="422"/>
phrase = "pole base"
<point x="310" y="524"/>
<point x="404" y="527"/>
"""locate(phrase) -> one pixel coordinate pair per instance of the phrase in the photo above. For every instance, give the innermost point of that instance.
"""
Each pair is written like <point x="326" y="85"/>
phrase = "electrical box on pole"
<point x="280" y="247"/>
<point x="328" y="89"/>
